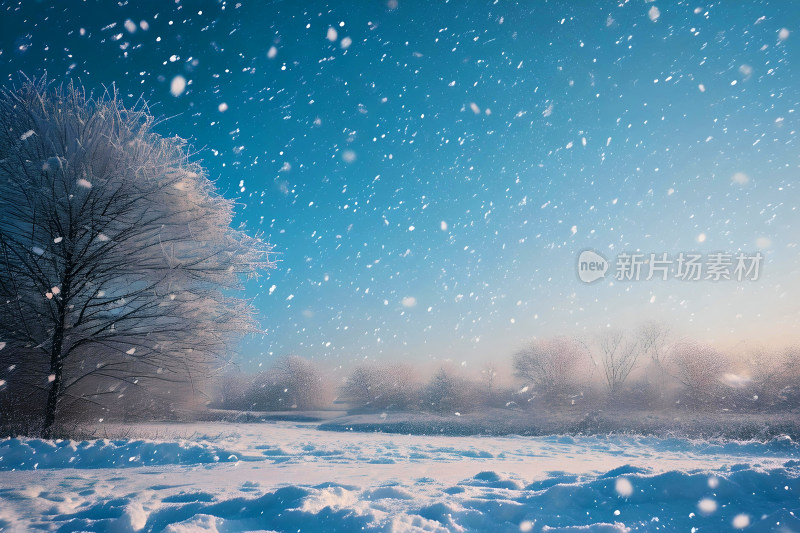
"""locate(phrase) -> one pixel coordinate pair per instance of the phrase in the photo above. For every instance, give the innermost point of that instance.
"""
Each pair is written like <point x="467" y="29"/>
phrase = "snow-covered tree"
<point x="117" y="257"/>
<point x="554" y="367"/>
<point x="618" y="357"/>
<point x="386" y="386"/>
<point x="774" y="376"/>
<point x="652" y="340"/>
<point x="489" y="377"/>
<point x="360" y="387"/>
<point x="292" y="383"/>
<point x="440" y="392"/>
<point x="699" y="368"/>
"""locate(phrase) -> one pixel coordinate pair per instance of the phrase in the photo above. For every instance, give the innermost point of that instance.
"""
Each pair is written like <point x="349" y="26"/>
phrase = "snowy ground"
<point x="288" y="476"/>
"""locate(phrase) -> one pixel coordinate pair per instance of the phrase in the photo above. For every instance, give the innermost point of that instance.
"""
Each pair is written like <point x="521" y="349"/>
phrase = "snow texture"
<point x="298" y="478"/>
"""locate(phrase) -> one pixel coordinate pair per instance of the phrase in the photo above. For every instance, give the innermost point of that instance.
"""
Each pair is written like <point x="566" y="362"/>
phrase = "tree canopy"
<point x="118" y="262"/>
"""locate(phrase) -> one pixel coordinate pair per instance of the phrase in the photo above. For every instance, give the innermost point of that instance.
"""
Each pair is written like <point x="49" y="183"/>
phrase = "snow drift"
<point x="290" y="476"/>
<point x="30" y="454"/>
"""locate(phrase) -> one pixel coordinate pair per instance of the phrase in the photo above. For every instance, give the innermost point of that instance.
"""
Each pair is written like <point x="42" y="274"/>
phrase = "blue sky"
<point x="430" y="171"/>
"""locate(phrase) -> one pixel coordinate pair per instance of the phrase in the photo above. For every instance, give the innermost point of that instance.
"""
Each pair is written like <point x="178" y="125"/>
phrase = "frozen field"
<point x="291" y="477"/>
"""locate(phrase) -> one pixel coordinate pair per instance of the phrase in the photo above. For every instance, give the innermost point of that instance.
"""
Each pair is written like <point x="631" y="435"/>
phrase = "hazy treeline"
<point x="291" y="383"/>
<point x="643" y="369"/>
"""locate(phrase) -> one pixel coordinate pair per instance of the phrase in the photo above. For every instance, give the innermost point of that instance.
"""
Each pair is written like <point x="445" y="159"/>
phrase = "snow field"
<point x="290" y="476"/>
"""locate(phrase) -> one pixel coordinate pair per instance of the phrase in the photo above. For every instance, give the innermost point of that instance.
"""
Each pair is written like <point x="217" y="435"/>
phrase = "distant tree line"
<point x="643" y="369"/>
<point x="292" y="383"/>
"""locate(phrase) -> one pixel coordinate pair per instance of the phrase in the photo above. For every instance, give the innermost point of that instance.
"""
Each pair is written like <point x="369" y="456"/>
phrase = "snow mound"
<point x="32" y="454"/>
<point x="671" y="501"/>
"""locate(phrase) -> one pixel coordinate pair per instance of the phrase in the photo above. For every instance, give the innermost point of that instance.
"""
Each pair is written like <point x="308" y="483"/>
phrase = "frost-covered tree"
<point x="699" y="368"/>
<point x="117" y="257"/>
<point x="618" y="356"/>
<point x="554" y="367"/>
<point x="440" y="393"/>
<point x="292" y="383"/>
<point x="488" y="378"/>
<point x="360" y="387"/>
<point x="774" y="377"/>
<point x="387" y="386"/>
<point x="652" y="339"/>
<point x="231" y="390"/>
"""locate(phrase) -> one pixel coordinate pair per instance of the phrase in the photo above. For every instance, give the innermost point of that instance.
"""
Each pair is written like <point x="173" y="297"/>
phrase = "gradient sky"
<point x="429" y="171"/>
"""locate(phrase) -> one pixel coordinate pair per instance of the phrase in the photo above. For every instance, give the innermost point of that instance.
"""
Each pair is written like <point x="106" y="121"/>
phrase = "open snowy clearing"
<point x="289" y="476"/>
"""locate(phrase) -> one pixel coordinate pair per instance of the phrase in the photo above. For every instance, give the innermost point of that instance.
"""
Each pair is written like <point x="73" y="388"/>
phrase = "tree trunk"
<point x="56" y="367"/>
<point x="56" y="363"/>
